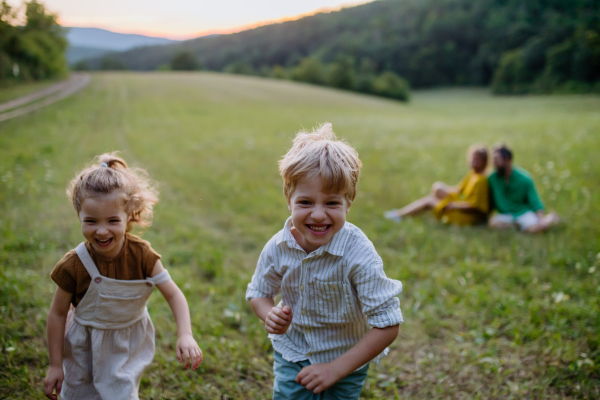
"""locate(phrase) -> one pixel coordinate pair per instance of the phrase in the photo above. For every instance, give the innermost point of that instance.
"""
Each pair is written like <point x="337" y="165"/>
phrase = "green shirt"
<point x="515" y="197"/>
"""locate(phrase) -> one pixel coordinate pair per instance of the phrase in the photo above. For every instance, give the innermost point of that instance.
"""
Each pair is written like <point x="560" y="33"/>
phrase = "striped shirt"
<point x="337" y="293"/>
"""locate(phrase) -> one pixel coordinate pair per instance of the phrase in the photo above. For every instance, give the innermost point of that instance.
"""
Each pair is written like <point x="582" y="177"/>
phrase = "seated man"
<point x="514" y="196"/>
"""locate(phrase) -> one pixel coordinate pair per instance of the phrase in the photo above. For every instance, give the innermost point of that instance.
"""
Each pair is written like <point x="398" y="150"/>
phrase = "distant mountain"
<point x="94" y="42"/>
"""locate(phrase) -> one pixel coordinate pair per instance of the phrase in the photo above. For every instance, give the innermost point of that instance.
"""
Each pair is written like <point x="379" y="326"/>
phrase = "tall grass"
<point x="488" y="314"/>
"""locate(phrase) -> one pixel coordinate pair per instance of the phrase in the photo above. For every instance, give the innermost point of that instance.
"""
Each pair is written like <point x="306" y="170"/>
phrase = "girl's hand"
<point x="278" y="320"/>
<point x="318" y="377"/>
<point x="187" y="349"/>
<point x="54" y="379"/>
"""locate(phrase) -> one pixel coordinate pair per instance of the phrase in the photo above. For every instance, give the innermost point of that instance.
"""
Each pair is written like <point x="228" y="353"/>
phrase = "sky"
<point x="183" y="19"/>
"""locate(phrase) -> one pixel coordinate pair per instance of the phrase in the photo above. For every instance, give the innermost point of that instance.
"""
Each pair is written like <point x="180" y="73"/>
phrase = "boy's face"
<point x="316" y="215"/>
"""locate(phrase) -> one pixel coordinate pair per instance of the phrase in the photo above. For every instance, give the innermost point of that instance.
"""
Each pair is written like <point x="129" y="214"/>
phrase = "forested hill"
<point x="518" y="44"/>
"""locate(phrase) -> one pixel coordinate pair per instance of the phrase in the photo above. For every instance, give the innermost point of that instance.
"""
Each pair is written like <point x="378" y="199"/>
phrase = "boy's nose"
<point x="318" y="214"/>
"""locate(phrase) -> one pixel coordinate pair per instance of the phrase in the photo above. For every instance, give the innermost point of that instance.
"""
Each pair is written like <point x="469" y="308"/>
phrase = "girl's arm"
<point x="55" y="328"/>
<point x="186" y="347"/>
<point x="318" y="377"/>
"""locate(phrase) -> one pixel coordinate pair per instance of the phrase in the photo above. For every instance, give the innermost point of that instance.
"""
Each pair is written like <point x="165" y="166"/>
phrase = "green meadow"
<point x="488" y="315"/>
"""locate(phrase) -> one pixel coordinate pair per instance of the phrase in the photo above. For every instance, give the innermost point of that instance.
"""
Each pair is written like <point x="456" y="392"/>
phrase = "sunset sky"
<point x="182" y="19"/>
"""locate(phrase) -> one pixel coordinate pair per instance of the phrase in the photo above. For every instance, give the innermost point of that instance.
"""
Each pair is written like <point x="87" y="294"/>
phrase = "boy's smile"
<point x="316" y="216"/>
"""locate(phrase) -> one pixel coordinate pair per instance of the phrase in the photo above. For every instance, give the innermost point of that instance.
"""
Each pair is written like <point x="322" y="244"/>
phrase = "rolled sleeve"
<point x="266" y="282"/>
<point x="377" y="295"/>
<point x="533" y="199"/>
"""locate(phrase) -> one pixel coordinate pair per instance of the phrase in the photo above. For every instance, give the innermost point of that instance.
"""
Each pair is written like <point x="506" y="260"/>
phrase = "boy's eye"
<point x="304" y="202"/>
<point x="115" y="220"/>
<point x="333" y="203"/>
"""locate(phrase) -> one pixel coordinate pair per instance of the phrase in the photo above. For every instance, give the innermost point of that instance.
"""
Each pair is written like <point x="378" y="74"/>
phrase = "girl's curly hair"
<point x="109" y="173"/>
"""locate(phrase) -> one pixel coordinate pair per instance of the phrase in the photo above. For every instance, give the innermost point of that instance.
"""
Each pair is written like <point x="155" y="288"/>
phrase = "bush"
<point x="81" y="66"/>
<point x="391" y="85"/>
<point x="341" y="73"/>
<point x="185" y="61"/>
<point x="111" y="63"/>
<point x="240" y="68"/>
<point x="310" y="70"/>
<point x="278" y="72"/>
<point x="511" y="75"/>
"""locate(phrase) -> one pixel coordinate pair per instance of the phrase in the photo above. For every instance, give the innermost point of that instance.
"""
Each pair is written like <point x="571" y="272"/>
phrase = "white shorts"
<point x="523" y="221"/>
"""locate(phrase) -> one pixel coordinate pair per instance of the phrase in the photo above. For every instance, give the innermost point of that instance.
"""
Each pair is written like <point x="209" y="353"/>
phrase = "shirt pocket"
<point x="332" y="302"/>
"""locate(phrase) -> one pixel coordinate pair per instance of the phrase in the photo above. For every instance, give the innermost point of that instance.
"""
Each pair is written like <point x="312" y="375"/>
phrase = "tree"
<point x="36" y="49"/>
<point x="310" y="70"/>
<point x="111" y="63"/>
<point x="185" y="61"/>
<point x="391" y="85"/>
<point x="341" y="73"/>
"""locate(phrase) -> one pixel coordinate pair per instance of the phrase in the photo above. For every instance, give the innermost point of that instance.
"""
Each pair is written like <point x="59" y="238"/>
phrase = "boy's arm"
<point x="186" y="349"/>
<point x="277" y="319"/>
<point x="318" y="377"/>
<point x="57" y="317"/>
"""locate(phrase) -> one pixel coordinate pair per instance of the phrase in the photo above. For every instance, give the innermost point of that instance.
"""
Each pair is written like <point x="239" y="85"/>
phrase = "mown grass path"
<point x="489" y="315"/>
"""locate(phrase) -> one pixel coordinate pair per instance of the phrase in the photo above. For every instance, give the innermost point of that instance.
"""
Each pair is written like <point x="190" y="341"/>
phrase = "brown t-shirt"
<point x="135" y="261"/>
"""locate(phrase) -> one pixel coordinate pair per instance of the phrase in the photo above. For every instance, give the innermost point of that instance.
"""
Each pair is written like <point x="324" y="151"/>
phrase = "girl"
<point x="99" y="349"/>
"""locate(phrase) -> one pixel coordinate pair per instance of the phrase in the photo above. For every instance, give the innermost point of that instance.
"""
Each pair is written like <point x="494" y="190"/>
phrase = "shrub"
<point x="240" y="68"/>
<point x="111" y="63"/>
<point x="391" y="85"/>
<point x="341" y="73"/>
<point x="310" y="70"/>
<point x="278" y="72"/>
<point x="185" y="61"/>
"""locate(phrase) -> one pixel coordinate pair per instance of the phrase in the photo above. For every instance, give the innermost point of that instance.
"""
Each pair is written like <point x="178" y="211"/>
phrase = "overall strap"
<point x="87" y="261"/>
<point x="160" y="278"/>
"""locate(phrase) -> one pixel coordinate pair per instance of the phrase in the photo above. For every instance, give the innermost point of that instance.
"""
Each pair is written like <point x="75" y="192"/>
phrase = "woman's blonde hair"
<point x="479" y="149"/>
<point x="320" y="153"/>
<point x="109" y="173"/>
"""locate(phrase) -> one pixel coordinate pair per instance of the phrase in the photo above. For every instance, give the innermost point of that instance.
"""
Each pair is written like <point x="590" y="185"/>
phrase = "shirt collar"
<point x="335" y="246"/>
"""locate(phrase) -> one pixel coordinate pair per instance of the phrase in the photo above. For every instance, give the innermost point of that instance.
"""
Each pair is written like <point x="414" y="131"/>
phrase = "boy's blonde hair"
<point x="140" y="192"/>
<point x="320" y="153"/>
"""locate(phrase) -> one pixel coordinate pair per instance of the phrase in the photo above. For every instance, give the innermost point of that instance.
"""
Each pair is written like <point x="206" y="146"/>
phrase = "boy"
<point x="339" y="309"/>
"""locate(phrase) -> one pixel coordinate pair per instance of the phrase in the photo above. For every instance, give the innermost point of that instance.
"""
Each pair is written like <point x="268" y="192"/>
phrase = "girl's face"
<point x="104" y="223"/>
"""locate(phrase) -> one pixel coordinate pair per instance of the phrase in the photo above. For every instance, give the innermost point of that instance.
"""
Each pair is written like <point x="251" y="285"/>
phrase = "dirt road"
<point x="50" y="95"/>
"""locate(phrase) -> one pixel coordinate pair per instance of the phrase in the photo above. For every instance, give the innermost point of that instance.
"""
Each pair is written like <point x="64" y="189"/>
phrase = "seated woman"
<point x="465" y="204"/>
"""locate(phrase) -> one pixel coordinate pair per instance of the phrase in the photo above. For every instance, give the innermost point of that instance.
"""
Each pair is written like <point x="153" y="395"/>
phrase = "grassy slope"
<point x="484" y="313"/>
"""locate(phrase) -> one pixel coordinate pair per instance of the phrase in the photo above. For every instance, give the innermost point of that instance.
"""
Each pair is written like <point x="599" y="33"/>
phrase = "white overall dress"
<point x="109" y="338"/>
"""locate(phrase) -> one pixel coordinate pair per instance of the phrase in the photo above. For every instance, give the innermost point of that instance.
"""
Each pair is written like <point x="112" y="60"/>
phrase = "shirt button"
<point x="303" y="312"/>
<point x="97" y="279"/>
<point x="308" y="354"/>
<point x="148" y="283"/>
<point x="305" y="260"/>
<point x="331" y="286"/>
<point x="307" y="330"/>
<point x="302" y="288"/>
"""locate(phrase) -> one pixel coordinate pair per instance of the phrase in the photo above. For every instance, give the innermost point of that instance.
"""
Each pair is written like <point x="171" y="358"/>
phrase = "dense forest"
<point x="516" y="46"/>
<point x="32" y="43"/>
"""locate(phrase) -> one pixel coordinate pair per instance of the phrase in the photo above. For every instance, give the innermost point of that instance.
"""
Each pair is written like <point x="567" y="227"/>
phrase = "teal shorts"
<point x="286" y="388"/>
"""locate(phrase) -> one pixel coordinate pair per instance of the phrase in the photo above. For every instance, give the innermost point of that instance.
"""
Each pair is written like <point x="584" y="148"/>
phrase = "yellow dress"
<point x="473" y="189"/>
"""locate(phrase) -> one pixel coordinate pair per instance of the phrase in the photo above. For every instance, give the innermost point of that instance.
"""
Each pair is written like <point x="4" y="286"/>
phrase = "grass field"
<point x="488" y="315"/>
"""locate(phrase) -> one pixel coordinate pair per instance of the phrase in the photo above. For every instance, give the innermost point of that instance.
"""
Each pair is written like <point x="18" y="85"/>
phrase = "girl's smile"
<point x="104" y="223"/>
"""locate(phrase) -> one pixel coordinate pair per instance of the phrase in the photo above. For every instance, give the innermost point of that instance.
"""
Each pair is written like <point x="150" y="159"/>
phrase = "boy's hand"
<point x="318" y="377"/>
<point x="54" y="379"/>
<point x="278" y="320"/>
<point x="187" y="349"/>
